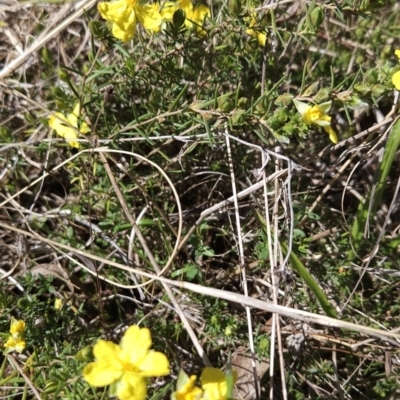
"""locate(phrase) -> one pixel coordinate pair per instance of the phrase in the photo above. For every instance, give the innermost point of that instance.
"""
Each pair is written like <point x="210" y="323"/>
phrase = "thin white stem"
<point x="241" y="261"/>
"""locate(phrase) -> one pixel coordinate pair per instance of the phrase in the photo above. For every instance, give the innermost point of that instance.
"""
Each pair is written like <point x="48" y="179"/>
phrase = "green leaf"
<point x="310" y="282"/>
<point x="306" y="276"/>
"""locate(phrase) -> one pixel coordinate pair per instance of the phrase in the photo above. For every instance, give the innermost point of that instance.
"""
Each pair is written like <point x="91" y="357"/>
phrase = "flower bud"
<point x="284" y="99"/>
<point x="310" y="90"/>
<point x="317" y="17"/>
<point x="238" y="116"/>
<point x="235" y="7"/>
<point x="178" y="19"/>
<point x="95" y="29"/>
<point x="224" y="104"/>
<point x="85" y="354"/>
<point x="323" y="94"/>
<point x="228" y="331"/>
<point x="63" y="75"/>
<point x="262" y="105"/>
<point x="23" y="303"/>
<point x="243" y="102"/>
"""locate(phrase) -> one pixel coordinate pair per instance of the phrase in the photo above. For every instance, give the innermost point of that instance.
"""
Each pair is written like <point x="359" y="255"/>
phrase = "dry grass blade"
<point x="41" y="41"/>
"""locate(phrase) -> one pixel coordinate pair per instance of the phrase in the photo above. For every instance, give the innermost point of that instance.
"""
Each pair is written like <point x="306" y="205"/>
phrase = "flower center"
<point x="315" y="114"/>
<point x="128" y="367"/>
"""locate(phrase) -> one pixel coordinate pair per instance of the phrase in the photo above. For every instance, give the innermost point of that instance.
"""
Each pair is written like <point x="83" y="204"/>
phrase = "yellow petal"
<point x="188" y="19"/>
<point x="149" y="17"/>
<point x="117" y="11"/>
<point x="251" y="20"/>
<point x="56" y="123"/>
<point x="20" y="345"/>
<point x="307" y="116"/>
<point x="122" y="16"/>
<point x="105" y="349"/>
<point x="396" y="79"/>
<point x="195" y="18"/>
<point x="214" y="384"/>
<point x="17" y="327"/>
<point x="257" y="34"/>
<point x="186" y="5"/>
<point x="332" y="134"/>
<point x="63" y="130"/>
<point x="58" y="303"/>
<point x="131" y="387"/>
<point x="73" y="120"/>
<point x="155" y="364"/>
<point x="84" y="128"/>
<point x="251" y="32"/>
<point x="262" y="38"/>
<point x="70" y="135"/>
<point x="124" y="33"/>
<point x="168" y="10"/>
<point x="98" y="374"/>
<point x="108" y="366"/>
<point x="397" y="53"/>
<point x="189" y="391"/>
<point x="135" y="344"/>
<point x="324" y="120"/>
<point x="15" y="344"/>
<point x="77" y="110"/>
<point x="10" y="342"/>
<point x="200" y="13"/>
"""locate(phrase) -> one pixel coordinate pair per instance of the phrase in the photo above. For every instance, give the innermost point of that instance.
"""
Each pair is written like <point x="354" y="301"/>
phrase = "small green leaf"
<point x="284" y="99"/>
<point x="238" y="116"/>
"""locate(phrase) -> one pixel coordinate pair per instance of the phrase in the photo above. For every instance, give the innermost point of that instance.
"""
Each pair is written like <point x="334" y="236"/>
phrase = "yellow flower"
<point x="213" y="382"/>
<point x="316" y="115"/>
<point x="125" y="14"/>
<point x="397" y="53"/>
<point x="15" y="344"/>
<point x="17" y="327"/>
<point x="65" y="131"/>
<point x="260" y="36"/>
<point x="58" y="303"/>
<point x="396" y="80"/>
<point x="126" y="366"/>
